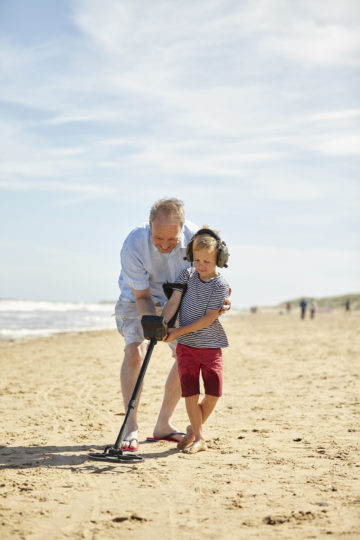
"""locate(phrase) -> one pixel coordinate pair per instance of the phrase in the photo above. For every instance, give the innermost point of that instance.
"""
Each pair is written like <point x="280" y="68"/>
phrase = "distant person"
<point x="152" y="254"/>
<point x="200" y="334"/>
<point x="313" y="308"/>
<point x="347" y="306"/>
<point x="288" y="307"/>
<point x="303" y="305"/>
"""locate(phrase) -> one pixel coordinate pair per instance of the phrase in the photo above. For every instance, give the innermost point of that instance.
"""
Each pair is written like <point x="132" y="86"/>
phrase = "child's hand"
<point x="171" y="335"/>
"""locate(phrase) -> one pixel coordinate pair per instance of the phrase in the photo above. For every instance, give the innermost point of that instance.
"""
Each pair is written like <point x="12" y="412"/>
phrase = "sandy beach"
<point x="283" y="443"/>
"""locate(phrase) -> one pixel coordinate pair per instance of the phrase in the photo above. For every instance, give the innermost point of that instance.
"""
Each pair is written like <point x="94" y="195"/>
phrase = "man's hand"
<point x="227" y="304"/>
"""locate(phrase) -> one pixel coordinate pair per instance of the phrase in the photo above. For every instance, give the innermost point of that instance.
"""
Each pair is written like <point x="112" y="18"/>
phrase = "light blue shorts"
<point x="128" y="322"/>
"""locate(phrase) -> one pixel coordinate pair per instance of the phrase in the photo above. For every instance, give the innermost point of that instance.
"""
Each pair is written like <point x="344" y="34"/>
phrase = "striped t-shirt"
<point x="200" y="296"/>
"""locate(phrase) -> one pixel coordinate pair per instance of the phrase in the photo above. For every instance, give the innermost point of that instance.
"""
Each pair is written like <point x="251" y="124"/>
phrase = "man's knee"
<point x="134" y="354"/>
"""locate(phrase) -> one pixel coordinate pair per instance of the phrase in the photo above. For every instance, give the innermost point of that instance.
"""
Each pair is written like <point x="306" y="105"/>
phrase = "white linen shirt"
<point x="143" y="266"/>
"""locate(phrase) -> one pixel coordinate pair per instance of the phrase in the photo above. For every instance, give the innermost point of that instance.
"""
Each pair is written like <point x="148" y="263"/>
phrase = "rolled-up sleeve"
<point x="133" y="270"/>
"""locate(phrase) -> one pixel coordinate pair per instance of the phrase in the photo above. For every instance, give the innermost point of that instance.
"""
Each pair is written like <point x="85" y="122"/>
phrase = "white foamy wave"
<point x="27" y="318"/>
<point x="39" y="305"/>
<point x="27" y="332"/>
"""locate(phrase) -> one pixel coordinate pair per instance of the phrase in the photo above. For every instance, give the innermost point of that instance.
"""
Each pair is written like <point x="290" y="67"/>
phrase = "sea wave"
<point x="27" y="318"/>
<point x="41" y="305"/>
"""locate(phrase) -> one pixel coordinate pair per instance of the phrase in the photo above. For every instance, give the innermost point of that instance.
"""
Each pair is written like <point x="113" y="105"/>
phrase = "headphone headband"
<point x="222" y="250"/>
<point x="209" y="232"/>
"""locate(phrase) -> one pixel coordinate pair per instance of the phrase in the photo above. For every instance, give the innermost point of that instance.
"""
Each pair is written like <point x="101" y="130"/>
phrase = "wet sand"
<point x="283" y="442"/>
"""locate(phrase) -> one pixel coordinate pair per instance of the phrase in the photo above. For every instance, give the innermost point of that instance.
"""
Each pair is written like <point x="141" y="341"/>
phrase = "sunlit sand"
<point x="282" y="458"/>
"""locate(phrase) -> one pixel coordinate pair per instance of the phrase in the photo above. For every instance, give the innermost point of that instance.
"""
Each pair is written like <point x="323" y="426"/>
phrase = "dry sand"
<point x="283" y="457"/>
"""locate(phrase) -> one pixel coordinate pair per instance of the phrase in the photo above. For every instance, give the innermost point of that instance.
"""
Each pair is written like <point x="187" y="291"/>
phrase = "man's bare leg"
<point x="172" y="395"/>
<point x="130" y="369"/>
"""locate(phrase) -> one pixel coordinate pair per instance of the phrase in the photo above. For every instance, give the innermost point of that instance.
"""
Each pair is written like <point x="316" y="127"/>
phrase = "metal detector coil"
<point x="115" y="454"/>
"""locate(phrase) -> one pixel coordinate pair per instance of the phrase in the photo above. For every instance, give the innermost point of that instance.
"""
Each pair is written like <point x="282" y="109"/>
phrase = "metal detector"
<point x="155" y="329"/>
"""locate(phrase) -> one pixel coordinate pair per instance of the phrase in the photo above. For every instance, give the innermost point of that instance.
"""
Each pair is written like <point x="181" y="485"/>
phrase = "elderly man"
<point x="151" y="255"/>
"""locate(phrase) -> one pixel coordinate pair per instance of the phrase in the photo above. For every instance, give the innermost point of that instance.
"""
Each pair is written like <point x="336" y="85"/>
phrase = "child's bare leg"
<point x="195" y="416"/>
<point x="207" y="406"/>
<point x="198" y="414"/>
<point x="186" y="440"/>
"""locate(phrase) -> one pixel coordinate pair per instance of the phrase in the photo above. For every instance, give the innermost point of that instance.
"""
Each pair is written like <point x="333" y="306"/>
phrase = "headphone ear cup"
<point x="189" y="251"/>
<point x="222" y="255"/>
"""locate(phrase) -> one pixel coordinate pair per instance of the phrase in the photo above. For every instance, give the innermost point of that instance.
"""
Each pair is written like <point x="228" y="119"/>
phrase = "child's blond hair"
<point x="205" y="241"/>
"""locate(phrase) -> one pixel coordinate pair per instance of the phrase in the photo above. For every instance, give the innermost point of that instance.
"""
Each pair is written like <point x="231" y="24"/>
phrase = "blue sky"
<point x="247" y="111"/>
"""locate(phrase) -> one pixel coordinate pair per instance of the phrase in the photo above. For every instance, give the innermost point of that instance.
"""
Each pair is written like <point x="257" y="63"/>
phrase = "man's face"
<point x="165" y="233"/>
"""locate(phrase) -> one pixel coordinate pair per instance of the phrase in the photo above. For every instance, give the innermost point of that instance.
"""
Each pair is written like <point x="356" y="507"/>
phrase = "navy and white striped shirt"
<point x="200" y="296"/>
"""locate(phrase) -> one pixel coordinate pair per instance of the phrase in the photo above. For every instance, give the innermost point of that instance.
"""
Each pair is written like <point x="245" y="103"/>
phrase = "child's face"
<point x="205" y="263"/>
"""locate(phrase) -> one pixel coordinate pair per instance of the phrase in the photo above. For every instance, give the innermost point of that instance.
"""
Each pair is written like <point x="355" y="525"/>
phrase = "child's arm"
<point x="210" y="316"/>
<point x="171" y="305"/>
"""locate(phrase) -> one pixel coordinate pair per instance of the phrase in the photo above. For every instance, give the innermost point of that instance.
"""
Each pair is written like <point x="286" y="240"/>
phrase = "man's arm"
<point x="144" y="303"/>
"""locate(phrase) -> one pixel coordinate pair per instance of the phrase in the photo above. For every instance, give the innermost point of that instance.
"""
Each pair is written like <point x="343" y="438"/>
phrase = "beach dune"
<point x="283" y="442"/>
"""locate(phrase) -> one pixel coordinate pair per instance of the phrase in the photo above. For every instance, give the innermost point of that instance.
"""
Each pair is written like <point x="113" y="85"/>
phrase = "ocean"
<point x="31" y="318"/>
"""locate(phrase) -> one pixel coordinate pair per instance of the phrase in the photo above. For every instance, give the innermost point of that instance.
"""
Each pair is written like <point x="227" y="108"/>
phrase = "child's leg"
<point x="195" y="415"/>
<point x="212" y="377"/>
<point x="194" y="410"/>
<point x="198" y="414"/>
<point x="207" y="406"/>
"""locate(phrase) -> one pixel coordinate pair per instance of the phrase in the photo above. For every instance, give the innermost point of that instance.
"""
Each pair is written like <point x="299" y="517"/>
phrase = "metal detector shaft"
<point x="132" y="402"/>
<point x="154" y="328"/>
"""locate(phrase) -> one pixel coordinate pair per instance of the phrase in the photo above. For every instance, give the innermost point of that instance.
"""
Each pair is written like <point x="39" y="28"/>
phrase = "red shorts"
<point x="190" y="361"/>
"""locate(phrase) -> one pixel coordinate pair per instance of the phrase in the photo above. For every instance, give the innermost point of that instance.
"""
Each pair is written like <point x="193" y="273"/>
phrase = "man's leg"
<point x="130" y="369"/>
<point x="171" y="398"/>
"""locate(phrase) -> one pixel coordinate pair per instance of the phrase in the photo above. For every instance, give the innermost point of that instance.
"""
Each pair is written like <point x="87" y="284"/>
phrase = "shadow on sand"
<point x="69" y="457"/>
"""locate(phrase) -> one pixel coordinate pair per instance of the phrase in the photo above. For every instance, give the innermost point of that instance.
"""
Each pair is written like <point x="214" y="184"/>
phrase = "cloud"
<point x="248" y="111"/>
<point x="326" y="116"/>
<point x="196" y="91"/>
<point x="311" y="32"/>
<point x="317" y="43"/>
<point x="340" y="144"/>
<point x="54" y="186"/>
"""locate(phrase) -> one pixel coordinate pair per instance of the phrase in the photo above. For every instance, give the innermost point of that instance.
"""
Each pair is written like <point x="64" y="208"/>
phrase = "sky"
<point x="247" y="111"/>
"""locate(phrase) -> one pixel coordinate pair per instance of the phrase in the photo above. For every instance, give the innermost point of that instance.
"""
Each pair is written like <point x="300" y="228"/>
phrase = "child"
<point x="200" y="334"/>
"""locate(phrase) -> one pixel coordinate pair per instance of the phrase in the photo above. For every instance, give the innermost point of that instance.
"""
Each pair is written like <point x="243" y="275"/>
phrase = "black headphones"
<point x="222" y="256"/>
